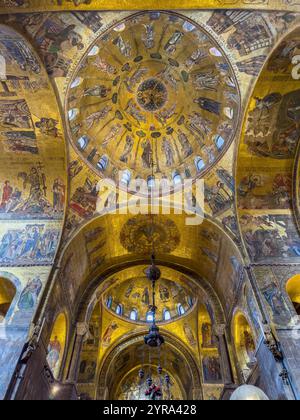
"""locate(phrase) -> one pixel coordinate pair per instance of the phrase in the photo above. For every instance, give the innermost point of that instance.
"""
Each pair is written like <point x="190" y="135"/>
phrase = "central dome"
<point x="155" y="88"/>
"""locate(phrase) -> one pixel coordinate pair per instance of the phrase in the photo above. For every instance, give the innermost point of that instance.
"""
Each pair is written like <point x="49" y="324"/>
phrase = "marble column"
<point x="82" y="330"/>
<point x="220" y="334"/>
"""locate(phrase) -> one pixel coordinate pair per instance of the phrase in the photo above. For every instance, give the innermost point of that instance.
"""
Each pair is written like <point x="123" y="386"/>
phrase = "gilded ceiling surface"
<point x="149" y="92"/>
<point x="156" y="89"/>
<point x="64" y="41"/>
<point x="131" y="298"/>
<point x="60" y="5"/>
<point x="267" y="158"/>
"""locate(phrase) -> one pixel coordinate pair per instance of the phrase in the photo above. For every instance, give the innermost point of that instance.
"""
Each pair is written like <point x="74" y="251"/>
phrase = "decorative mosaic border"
<point x="15" y="6"/>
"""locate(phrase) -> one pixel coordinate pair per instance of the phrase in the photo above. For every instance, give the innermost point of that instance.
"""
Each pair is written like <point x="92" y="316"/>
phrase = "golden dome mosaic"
<point x="131" y="299"/>
<point x="154" y="90"/>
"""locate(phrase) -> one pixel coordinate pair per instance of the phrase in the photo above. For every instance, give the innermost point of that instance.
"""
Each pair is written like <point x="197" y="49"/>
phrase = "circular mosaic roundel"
<point x="140" y="233"/>
<point x="155" y="89"/>
<point x="152" y="95"/>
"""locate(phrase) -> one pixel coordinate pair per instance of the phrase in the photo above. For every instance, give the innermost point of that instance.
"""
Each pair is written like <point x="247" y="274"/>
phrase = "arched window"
<point x="190" y="301"/>
<point x="72" y="114"/>
<point x="215" y="52"/>
<point x="293" y="290"/>
<point x="7" y="294"/>
<point x="151" y="182"/>
<point x="177" y="178"/>
<point x="83" y="142"/>
<point x="119" y="310"/>
<point x="2" y="68"/>
<point x="199" y="163"/>
<point x="229" y="112"/>
<point x="109" y="302"/>
<point x="103" y="163"/>
<point x="126" y="177"/>
<point x="180" y="309"/>
<point x="167" y="315"/>
<point x="219" y="142"/>
<point x="94" y="51"/>
<point x="149" y="317"/>
<point x="57" y="345"/>
<point x="77" y="82"/>
<point x="134" y="315"/>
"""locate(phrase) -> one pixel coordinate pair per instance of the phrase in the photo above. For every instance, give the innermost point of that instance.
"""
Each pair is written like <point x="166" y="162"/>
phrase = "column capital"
<point x="219" y="329"/>
<point x="82" y="329"/>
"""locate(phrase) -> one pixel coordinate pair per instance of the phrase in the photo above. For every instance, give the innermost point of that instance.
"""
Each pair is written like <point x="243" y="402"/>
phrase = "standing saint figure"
<point x="54" y="350"/>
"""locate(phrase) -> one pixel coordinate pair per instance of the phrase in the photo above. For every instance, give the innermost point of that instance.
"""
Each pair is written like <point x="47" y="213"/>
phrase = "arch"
<point x="134" y="315"/>
<point x="83" y="142"/>
<point x="93" y="279"/>
<point x="126" y="177"/>
<point x="180" y="310"/>
<point x="7" y="294"/>
<point x="150" y="317"/>
<point x="151" y="182"/>
<point x="167" y="315"/>
<point x="119" y="310"/>
<point x="109" y="302"/>
<point x="103" y="163"/>
<point x="245" y="343"/>
<point x="177" y="179"/>
<point x="293" y="290"/>
<point x="57" y="344"/>
<point x="189" y="364"/>
<point x="77" y="82"/>
<point x="220" y="142"/>
<point x="2" y="68"/>
<point x="199" y="163"/>
<point x="73" y="114"/>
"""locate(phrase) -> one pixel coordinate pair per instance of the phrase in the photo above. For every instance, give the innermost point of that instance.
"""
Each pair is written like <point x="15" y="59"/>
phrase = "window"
<point x="181" y="310"/>
<point x="190" y="301"/>
<point x="119" y="310"/>
<point x="134" y="315"/>
<point x="77" y="82"/>
<point x="177" y="178"/>
<point x="109" y="302"/>
<point x="83" y="142"/>
<point x="150" y="317"/>
<point x="199" y="163"/>
<point x="229" y="112"/>
<point x="219" y="142"/>
<point x="72" y="114"/>
<point x="103" y="163"/>
<point x="151" y="182"/>
<point x="215" y="52"/>
<point x="2" y="68"/>
<point x="7" y="294"/>
<point x="167" y="315"/>
<point x="94" y="51"/>
<point x="126" y="177"/>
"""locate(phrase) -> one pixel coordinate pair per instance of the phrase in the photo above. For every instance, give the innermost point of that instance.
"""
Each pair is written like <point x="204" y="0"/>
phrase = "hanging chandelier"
<point x="154" y="341"/>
